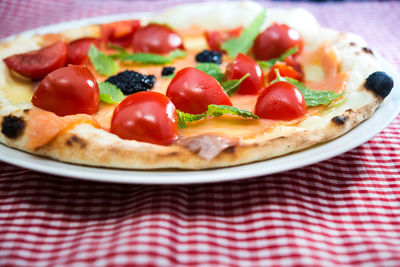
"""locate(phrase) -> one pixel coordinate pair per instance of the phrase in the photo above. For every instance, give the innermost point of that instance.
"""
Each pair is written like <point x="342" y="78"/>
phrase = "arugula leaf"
<point x="213" y="111"/>
<point x="243" y="43"/>
<point x="211" y="69"/>
<point x="232" y="86"/>
<point x="149" y="58"/>
<point x="110" y="93"/>
<point x="265" y="64"/>
<point x="312" y="97"/>
<point x="103" y="63"/>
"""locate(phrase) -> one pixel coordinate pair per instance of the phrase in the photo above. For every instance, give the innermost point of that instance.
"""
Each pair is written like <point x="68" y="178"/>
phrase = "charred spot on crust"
<point x="76" y="140"/>
<point x="26" y="110"/>
<point x="339" y="120"/>
<point x="380" y="83"/>
<point x="352" y="43"/>
<point x="230" y="149"/>
<point x="367" y="50"/>
<point x="12" y="126"/>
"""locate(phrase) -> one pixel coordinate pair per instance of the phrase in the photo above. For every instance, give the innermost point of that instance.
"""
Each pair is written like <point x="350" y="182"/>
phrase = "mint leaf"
<point x="187" y="117"/>
<point x="265" y="64"/>
<point x="211" y="69"/>
<point x="314" y="97"/>
<point x="103" y="63"/>
<point x="232" y="86"/>
<point x="110" y="93"/>
<point x="213" y="111"/>
<point x="149" y="58"/>
<point x="243" y="43"/>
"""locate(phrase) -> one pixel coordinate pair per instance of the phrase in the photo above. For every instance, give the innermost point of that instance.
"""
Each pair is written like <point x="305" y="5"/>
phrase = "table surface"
<point x="343" y="211"/>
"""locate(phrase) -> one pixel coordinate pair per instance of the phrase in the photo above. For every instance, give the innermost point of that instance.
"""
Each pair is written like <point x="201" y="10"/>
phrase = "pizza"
<point x="198" y="86"/>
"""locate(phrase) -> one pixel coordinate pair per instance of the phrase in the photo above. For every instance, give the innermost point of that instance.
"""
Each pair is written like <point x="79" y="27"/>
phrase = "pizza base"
<point x="87" y="145"/>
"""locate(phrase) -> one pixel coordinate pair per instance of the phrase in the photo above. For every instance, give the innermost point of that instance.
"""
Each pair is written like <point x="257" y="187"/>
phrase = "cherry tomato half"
<point x="156" y="38"/>
<point x="37" y="64"/>
<point x="146" y="117"/>
<point x="276" y="40"/>
<point x="281" y="101"/>
<point x="216" y="38"/>
<point x="192" y="90"/>
<point x="78" y="50"/>
<point x="285" y="71"/>
<point x="120" y="32"/>
<point x="244" y="64"/>
<point x="68" y="91"/>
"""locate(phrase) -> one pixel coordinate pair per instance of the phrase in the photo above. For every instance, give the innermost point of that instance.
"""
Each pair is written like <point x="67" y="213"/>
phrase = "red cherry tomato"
<point x="156" y="38"/>
<point x="146" y="117"/>
<point x="244" y="64"/>
<point x="68" y="91"/>
<point x="281" y="101"/>
<point x="285" y="71"/>
<point x="192" y="90"/>
<point x="78" y="50"/>
<point x="216" y="38"/>
<point x="120" y="32"/>
<point x="37" y="64"/>
<point x="276" y="40"/>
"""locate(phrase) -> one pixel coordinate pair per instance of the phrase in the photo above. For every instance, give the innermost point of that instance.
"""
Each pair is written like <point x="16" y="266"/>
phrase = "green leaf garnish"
<point x="265" y="64"/>
<point x="212" y="69"/>
<point x="110" y="93"/>
<point x="243" y="43"/>
<point x="232" y="86"/>
<point x="103" y="63"/>
<point x="213" y="111"/>
<point x="150" y="58"/>
<point x="312" y="97"/>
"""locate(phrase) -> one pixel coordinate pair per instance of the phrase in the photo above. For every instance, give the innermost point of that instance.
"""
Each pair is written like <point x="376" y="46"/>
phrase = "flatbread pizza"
<point x="195" y="87"/>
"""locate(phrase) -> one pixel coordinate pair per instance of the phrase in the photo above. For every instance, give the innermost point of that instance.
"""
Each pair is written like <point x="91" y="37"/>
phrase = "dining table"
<point x="342" y="211"/>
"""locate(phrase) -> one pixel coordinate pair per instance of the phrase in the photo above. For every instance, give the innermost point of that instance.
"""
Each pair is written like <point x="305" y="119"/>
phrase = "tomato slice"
<point x="37" y="64"/>
<point x="285" y="71"/>
<point x="242" y="65"/>
<point x="216" y="38"/>
<point x="276" y="40"/>
<point x="192" y="90"/>
<point x="146" y="117"/>
<point x="281" y="101"/>
<point x="68" y="91"/>
<point x="78" y="50"/>
<point x="120" y="32"/>
<point x="156" y="38"/>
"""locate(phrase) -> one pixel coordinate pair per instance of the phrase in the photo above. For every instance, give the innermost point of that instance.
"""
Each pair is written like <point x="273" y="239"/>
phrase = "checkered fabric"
<point x="343" y="211"/>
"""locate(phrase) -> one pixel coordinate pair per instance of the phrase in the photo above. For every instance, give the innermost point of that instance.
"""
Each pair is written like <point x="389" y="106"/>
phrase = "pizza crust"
<point x="87" y="145"/>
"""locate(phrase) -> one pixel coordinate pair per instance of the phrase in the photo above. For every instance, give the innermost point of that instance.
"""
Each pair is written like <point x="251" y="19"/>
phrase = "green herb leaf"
<point x="243" y="43"/>
<point x="211" y="69"/>
<point x="110" y="93"/>
<point x="312" y="97"/>
<point x="265" y="64"/>
<point x="103" y="63"/>
<point x="150" y="58"/>
<point x="183" y="118"/>
<point x="213" y="111"/>
<point x="232" y="86"/>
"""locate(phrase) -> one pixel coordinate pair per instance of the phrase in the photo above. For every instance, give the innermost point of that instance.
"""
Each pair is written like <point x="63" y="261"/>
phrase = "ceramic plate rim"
<point x="362" y="133"/>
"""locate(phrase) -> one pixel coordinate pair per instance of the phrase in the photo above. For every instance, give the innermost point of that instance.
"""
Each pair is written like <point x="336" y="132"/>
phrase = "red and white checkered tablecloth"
<point x="343" y="211"/>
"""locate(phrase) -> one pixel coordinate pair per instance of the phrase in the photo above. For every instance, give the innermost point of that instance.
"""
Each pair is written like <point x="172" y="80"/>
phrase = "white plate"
<point x="363" y="132"/>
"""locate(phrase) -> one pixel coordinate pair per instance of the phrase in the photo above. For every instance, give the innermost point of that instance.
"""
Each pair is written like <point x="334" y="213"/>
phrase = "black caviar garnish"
<point x="380" y="83"/>
<point x="12" y="126"/>
<point x="130" y="81"/>
<point x="209" y="56"/>
<point x="166" y="71"/>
